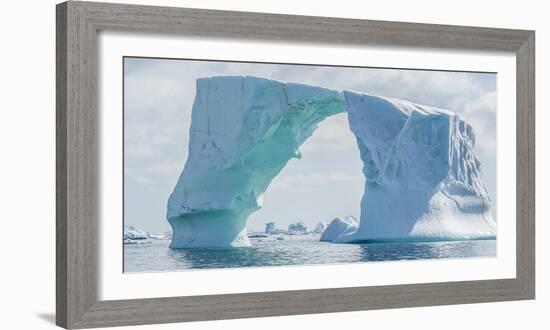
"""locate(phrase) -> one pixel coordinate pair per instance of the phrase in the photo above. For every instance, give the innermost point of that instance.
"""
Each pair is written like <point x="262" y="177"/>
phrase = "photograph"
<point x="247" y="164"/>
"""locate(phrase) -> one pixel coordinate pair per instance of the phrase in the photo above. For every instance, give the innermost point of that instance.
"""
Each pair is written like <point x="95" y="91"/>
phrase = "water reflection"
<point x="236" y="257"/>
<point x="431" y="250"/>
<point x="157" y="256"/>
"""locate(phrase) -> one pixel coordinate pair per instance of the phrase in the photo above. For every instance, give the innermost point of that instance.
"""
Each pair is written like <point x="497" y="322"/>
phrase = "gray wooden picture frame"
<point x="78" y="24"/>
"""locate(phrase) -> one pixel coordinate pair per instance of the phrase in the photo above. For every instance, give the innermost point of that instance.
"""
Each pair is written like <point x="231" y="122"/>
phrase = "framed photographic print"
<point x="234" y="165"/>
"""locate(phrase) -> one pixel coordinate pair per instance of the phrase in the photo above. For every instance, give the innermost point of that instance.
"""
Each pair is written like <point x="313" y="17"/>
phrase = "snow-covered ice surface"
<point x="423" y="179"/>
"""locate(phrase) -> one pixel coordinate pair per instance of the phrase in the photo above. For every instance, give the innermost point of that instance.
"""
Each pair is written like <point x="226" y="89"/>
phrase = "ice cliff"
<point x="243" y="132"/>
<point x="423" y="179"/>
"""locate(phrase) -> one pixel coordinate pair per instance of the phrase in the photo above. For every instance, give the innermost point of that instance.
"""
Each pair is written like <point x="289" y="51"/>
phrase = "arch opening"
<point x="325" y="183"/>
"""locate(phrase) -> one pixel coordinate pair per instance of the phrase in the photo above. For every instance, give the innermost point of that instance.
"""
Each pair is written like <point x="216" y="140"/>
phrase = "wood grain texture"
<point x="77" y="190"/>
<point x="525" y="165"/>
<point x="61" y="166"/>
<point x="77" y="157"/>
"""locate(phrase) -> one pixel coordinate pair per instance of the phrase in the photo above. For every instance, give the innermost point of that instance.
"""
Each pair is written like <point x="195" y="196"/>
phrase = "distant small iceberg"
<point x="270" y="228"/>
<point x="139" y="241"/>
<point x="338" y="227"/>
<point x="298" y="228"/>
<point x="161" y="236"/>
<point x="319" y="228"/>
<point x="133" y="233"/>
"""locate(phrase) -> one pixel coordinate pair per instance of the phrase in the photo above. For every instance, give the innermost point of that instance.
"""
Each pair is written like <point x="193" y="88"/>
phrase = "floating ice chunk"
<point x="338" y="227"/>
<point x="270" y="228"/>
<point x="133" y="233"/>
<point x="319" y="228"/>
<point x="297" y="228"/>
<point x="161" y="236"/>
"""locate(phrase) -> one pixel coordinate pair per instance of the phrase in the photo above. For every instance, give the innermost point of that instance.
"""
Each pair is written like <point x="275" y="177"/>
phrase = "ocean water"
<point x="156" y="256"/>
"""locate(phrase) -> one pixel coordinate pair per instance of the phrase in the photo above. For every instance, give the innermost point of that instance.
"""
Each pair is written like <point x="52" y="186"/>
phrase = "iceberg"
<point x="243" y="132"/>
<point x="132" y="233"/>
<point x="319" y="228"/>
<point x="298" y="228"/>
<point x="161" y="236"/>
<point x="338" y="227"/>
<point x="270" y="228"/>
<point x="423" y="178"/>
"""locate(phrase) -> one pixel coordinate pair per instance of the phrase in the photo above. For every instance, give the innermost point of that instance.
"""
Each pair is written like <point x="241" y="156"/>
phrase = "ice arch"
<point x="423" y="178"/>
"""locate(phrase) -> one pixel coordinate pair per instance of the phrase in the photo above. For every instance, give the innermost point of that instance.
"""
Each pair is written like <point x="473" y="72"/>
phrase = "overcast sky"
<point x="327" y="181"/>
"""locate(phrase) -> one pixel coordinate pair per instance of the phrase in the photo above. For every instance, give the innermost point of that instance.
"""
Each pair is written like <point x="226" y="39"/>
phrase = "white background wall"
<point x="27" y="166"/>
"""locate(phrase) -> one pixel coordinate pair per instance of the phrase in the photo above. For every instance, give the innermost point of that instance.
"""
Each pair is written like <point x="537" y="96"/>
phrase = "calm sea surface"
<point x="155" y="255"/>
